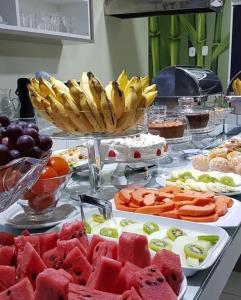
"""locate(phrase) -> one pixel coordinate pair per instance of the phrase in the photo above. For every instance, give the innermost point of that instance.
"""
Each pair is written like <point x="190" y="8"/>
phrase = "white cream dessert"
<point x="144" y="146"/>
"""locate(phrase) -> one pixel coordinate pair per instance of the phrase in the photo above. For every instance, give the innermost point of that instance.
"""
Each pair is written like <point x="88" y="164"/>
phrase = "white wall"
<point x="118" y="44"/>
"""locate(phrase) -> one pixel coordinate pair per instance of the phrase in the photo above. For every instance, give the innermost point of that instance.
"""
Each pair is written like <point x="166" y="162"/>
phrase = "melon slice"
<point x="134" y="248"/>
<point x="52" y="285"/>
<point x="7" y="277"/>
<point x="77" y="292"/>
<point x="78" y="266"/>
<point x="6" y="255"/>
<point x="169" y="265"/>
<point x="105" y="274"/>
<point x="22" y="290"/>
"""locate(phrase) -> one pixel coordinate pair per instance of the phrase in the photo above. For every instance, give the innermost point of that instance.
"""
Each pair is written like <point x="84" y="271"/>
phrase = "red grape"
<point x="14" y="131"/>
<point x="45" y="142"/>
<point x="3" y="131"/>
<point x="10" y="144"/>
<point x="1" y="137"/>
<point x="36" y="152"/>
<point x="31" y="132"/>
<point x="32" y="125"/>
<point x="22" y="124"/>
<point x="4" y="155"/>
<point x="4" y="120"/>
<point x="15" y="154"/>
<point x="25" y="144"/>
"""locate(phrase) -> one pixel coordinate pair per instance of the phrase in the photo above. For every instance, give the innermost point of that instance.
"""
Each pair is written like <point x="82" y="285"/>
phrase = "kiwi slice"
<point x="157" y="244"/>
<point x="186" y="175"/>
<point x="209" y="238"/>
<point x="195" y="251"/>
<point x="98" y="218"/>
<point x="87" y="227"/>
<point x="125" y="222"/>
<point x="150" y="227"/>
<point x="206" y="178"/>
<point x="109" y="232"/>
<point x="227" y="180"/>
<point x="174" y="232"/>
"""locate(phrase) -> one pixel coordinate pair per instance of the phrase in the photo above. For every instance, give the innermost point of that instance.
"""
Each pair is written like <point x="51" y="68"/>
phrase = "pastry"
<point x="200" y="162"/>
<point x="219" y="164"/>
<point x="168" y="129"/>
<point x="198" y="120"/>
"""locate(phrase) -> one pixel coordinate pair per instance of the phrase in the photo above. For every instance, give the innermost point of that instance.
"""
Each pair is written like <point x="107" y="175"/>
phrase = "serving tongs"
<point x="104" y="206"/>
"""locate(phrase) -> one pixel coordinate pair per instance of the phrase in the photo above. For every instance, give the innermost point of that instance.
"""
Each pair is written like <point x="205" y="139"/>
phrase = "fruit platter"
<point x="66" y="264"/>
<point x="159" y="235"/>
<point x="176" y="203"/>
<point x="214" y="181"/>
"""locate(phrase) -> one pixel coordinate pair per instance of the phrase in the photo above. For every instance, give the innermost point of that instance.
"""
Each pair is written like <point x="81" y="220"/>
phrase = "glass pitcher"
<point x="8" y="105"/>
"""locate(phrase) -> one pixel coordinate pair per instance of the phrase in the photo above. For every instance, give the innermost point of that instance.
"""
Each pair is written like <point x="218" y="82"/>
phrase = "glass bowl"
<point x="40" y="201"/>
<point x="18" y="176"/>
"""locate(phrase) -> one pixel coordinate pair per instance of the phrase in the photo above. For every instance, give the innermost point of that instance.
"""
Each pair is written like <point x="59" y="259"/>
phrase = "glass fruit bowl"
<point x="39" y="202"/>
<point x="18" y="176"/>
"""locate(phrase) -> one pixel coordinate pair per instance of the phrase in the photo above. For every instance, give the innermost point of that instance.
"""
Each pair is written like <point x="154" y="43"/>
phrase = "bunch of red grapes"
<point x="21" y="139"/>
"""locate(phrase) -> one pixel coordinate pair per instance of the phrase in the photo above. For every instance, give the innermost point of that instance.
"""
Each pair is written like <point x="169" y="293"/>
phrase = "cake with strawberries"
<point x="145" y="146"/>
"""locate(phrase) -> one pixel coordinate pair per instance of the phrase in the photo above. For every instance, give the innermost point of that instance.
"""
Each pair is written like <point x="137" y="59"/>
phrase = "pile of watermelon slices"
<point x="64" y="265"/>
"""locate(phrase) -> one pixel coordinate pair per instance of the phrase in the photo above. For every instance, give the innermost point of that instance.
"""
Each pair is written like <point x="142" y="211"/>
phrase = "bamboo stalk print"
<point x="201" y="37"/>
<point x="174" y="40"/>
<point x="154" y="44"/>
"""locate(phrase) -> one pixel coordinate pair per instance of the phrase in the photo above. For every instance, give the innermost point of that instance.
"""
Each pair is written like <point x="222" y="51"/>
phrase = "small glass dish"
<point x="40" y="201"/>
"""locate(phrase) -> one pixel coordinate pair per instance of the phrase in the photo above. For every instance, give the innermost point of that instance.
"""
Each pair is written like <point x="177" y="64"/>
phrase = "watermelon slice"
<point x="169" y="265"/>
<point x="30" y="264"/>
<point x="134" y="248"/>
<point x="77" y="292"/>
<point x="74" y="230"/>
<point x="6" y="255"/>
<point x="21" y="240"/>
<point x="22" y="290"/>
<point x="52" y="259"/>
<point x="94" y="241"/>
<point x="47" y="241"/>
<point x="130" y="295"/>
<point x="52" y="285"/>
<point x="105" y="275"/>
<point x="78" y="266"/>
<point x="105" y="248"/>
<point x="151" y="284"/>
<point x="7" y="277"/>
<point x="65" y="246"/>
<point x="125" y="276"/>
<point x="6" y="239"/>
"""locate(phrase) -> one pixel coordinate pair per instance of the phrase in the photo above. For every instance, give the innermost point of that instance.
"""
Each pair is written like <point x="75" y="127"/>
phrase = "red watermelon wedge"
<point x="6" y="239"/>
<point x="52" y="259"/>
<point x="21" y="240"/>
<point x="125" y="276"/>
<point x="77" y="292"/>
<point x="74" y="230"/>
<point x="169" y="265"/>
<point x="104" y="275"/>
<point x="152" y="285"/>
<point x="96" y="239"/>
<point x="6" y="255"/>
<point x="78" y="266"/>
<point x="131" y="295"/>
<point x="47" y="241"/>
<point x="65" y="246"/>
<point x="52" y="285"/>
<point x="30" y="264"/>
<point x="22" y="290"/>
<point x="105" y="248"/>
<point x="134" y="248"/>
<point x="7" y="277"/>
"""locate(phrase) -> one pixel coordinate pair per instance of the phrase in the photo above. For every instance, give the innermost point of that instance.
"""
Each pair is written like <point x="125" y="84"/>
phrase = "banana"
<point x="116" y="96"/>
<point x="238" y="86"/>
<point x="145" y="82"/>
<point x="59" y="84"/>
<point x="35" y="84"/>
<point x="150" y="88"/>
<point x="122" y="80"/>
<point x="87" y="85"/>
<point x="131" y="100"/>
<point x="45" y="87"/>
<point x="235" y="88"/>
<point x="74" y="89"/>
<point x="126" y="121"/>
<point x="130" y="83"/>
<point x="150" y="97"/>
<point x="108" y="113"/>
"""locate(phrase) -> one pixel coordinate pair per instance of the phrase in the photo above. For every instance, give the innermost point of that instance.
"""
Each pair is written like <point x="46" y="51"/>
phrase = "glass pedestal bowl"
<point x="40" y="201"/>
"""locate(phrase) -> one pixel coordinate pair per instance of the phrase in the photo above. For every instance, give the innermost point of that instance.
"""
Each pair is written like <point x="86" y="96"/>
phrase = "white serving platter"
<point x="231" y="219"/>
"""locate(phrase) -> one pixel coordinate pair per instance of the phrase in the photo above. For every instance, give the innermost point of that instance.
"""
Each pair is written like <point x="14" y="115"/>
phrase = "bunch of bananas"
<point x="236" y="85"/>
<point x="88" y="107"/>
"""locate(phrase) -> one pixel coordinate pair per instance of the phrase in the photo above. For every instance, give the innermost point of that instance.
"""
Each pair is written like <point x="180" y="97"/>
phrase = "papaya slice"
<point x="169" y="214"/>
<point x="207" y="194"/>
<point x="163" y="195"/>
<point x="182" y="203"/>
<point x="202" y="201"/>
<point x="155" y="209"/>
<point x="183" y="197"/>
<point x="138" y="195"/>
<point x="167" y="200"/>
<point x="206" y="219"/>
<point x="170" y="190"/>
<point x="132" y="204"/>
<point x="197" y="211"/>
<point x="221" y="208"/>
<point x="149" y="199"/>
<point x="125" y="195"/>
<point x="119" y="205"/>
<point x="225" y="199"/>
